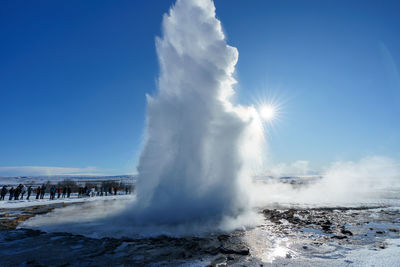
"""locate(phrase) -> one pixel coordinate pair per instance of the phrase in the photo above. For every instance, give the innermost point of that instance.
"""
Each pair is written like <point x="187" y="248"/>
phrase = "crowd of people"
<point x="18" y="192"/>
<point x="102" y="191"/>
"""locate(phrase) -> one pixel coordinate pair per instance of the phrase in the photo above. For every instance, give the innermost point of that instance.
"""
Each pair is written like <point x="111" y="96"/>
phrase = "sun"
<point x="267" y="112"/>
<point x="269" y="109"/>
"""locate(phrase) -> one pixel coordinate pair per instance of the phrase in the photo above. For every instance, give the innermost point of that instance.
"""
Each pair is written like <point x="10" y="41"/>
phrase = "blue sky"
<point x="74" y="74"/>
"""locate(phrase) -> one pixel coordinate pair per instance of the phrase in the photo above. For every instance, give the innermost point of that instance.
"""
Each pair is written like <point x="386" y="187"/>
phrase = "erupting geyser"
<point x="200" y="148"/>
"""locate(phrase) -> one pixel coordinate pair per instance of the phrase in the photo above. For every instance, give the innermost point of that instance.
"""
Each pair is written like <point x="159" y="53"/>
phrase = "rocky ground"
<point x="326" y="235"/>
<point x="287" y="237"/>
<point x="10" y="218"/>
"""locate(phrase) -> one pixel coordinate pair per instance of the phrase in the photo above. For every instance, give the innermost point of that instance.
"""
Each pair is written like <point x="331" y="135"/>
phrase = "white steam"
<point x="199" y="147"/>
<point x="370" y="179"/>
<point x="299" y="167"/>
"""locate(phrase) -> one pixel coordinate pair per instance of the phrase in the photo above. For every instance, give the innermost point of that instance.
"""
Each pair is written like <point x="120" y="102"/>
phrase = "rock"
<point x="382" y="245"/>
<point x="346" y="232"/>
<point x="380" y="232"/>
<point x="339" y="236"/>
<point x="326" y="228"/>
<point x="220" y="261"/>
<point x="223" y="237"/>
<point x="235" y="249"/>
<point x="211" y="250"/>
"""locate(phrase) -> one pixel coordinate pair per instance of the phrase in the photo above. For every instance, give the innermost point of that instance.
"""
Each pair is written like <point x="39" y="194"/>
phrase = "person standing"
<point x="23" y="191"/>
<point x="86" y="191"/>
<point x="64" y="192"/>
<point x="69" y="192"/>
<point x="92" y="192"/>
<point x="17" y="192"/>
<point x="37" y="192"/>
<point x="59" y="192"/>
<point x="12" y="190"/>
<point x="52" y="192"/>
<point x="29" y="192"/>
<point x="3" y="192"/>
<point x="42" y="191"/>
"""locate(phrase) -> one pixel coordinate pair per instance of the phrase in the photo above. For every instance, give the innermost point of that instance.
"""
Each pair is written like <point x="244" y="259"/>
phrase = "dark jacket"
<point x="4" y="191"/>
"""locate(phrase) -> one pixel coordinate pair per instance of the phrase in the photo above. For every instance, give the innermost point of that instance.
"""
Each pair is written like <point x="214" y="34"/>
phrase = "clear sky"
<point x="74" y="74"/>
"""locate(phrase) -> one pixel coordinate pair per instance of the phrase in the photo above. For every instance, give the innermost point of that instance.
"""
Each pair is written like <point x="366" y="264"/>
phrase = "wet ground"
<point x="325" y="236"/>
<point x="295" y="236"/>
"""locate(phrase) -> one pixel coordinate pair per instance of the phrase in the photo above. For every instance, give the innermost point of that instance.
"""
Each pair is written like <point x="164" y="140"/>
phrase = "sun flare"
<point x="267" y="112"/>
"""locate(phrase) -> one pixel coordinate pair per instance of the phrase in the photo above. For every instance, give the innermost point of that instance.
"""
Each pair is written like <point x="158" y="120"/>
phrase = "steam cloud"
<point x="369" y="180"/>
<point x="199" y="147"/>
